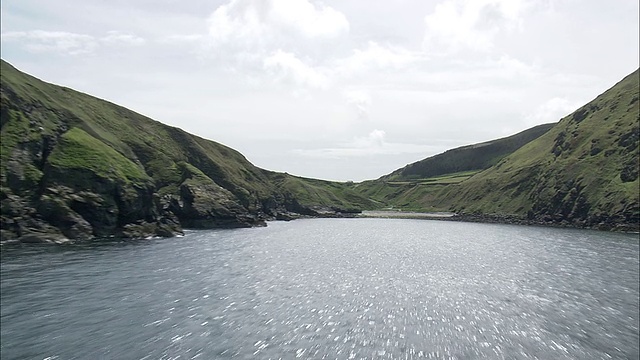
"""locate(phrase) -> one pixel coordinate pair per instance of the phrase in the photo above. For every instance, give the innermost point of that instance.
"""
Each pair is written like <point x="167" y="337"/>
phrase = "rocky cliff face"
<point x="77" y="167"/>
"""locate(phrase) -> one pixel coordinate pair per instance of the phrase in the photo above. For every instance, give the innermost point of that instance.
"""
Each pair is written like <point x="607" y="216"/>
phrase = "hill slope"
<point x="415" y="186"/>
<point x="466" y="158"/>
<point x="583" y="172"/>
<point x="74" y="166"/>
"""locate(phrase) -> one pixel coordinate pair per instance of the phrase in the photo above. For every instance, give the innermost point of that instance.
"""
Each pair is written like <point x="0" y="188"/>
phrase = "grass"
<point x="411" y="195"/>
<point x="467" y="158"/>
<point x="15" y="129"/>
<point x="311" y="192"/>
<point x="79" y="150"/>
<point x="448" y="179"/>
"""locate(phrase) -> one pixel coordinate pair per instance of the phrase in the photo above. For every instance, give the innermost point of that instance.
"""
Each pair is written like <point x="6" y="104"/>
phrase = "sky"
<point x="334" y="89"/>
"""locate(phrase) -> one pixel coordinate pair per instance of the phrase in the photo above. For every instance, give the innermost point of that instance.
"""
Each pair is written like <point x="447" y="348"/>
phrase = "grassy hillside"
<point x="111" y="170"/>
<point x="150" y="144"/>
<point x="416" y="186"/>
<point x="409" y="194"/>
<point x="467" y="158"/>
<point x="584" y="171"/>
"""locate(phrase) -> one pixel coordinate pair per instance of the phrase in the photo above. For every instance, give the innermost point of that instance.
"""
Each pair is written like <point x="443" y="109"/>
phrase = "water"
<point x="327" y="288"/>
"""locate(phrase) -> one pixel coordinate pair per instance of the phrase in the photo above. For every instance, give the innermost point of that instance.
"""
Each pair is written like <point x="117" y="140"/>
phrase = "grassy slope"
<point x="409" y="194"/>
<point x="147" y="142"/>
<point x="585" y="169"/>
<point x="79" y="150"/>
<point x="467" y="158"/>
<point x="416" y="186"/>
<point x="152" y="148"/>
<point x="323" y="193"/>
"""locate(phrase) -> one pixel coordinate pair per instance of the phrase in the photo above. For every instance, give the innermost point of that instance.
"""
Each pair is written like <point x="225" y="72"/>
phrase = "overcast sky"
<point x="334" y="89"/>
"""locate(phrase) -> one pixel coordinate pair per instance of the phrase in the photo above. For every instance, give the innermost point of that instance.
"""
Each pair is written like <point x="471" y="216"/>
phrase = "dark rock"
<point x="39" y="238"/>
<point x="630" y="171"/>
<point x="630" y="139"/>
<point x="167" y="230"/>
<point x="287" y="216"/>
<point x="211" y="206"/>
<point x="580" y="115"/>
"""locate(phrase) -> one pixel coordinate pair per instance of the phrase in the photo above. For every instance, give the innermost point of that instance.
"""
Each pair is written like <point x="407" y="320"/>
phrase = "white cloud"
<point x="470" y="24"/>
<point x="116" y="37"/>
<point x="552" y="110"/>
<point x="360" y="100"/>
<point x="373" y="58"/>
<point x="39" y="41"/>
<point x="67" y="43"/>
<point x="255" y="23"/>
<point x="372" y="144"/>
<point x="287" y="66"/>
<point x="312" y="21"/>
<point x="493" y="72"/>
<point x="512" y="67"/>
<point x="182" y="38"/>
<point x="374" y="139"/>
<point x="376" y="57"/>
<point x="254" y="38"/>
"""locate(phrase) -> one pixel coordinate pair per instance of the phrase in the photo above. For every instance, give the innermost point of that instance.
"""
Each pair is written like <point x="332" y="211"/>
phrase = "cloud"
<point x="360" y="100"/>
<point x="470" y="24"/>
<point x="67" y="43"/>
<point x="254" y="38"/>
<point x="287" y="66"/>
<point x="372" y="58"/>
<point x="376" y="57"/>
<point x="182" y="38"/>
<point x="39" y="41"/>
<point x="552" y="110"/>
<point x="255" y="23"/>
<point x="374" y="139"/>
<point x="297" y="42"/>
<point x="302" y="16"/>
<point x="116" y="37"/>
<point x="372" y="144"/>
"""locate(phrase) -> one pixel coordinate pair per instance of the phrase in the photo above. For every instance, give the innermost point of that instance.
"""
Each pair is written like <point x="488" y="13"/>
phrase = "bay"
<point x="327" y="288"/>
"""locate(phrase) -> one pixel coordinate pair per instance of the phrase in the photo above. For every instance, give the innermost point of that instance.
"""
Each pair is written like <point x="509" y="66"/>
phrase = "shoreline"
<point x="55" y="239"/>
<point x="499" y="219"/>
<point x="393" y="214"/>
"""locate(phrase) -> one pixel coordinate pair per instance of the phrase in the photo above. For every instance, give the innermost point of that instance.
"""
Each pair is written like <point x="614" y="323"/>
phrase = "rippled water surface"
<point x="327" y="288"/>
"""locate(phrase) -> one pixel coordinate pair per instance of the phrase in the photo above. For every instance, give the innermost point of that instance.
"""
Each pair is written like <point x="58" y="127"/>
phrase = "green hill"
<point x="75" y="166"/>
<point x="583" y="172"/>
<point x="416" y="186"/>
<point x="467" y="158"/>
